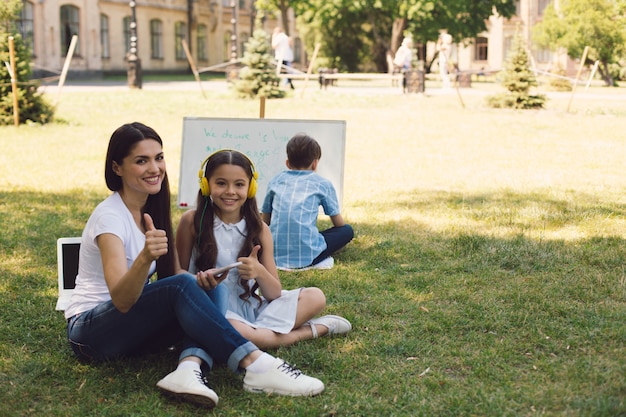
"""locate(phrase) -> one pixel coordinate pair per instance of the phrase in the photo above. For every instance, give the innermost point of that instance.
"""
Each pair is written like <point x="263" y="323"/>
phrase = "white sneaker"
<point x="335" y="324"/>
<point x="283" y="379"/>
<point x="189" y="385"/>
<point x="327" y="263"/>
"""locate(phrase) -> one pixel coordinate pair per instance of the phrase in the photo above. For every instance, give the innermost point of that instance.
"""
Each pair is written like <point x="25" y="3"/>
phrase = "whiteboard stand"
<point x="264" y="141"/>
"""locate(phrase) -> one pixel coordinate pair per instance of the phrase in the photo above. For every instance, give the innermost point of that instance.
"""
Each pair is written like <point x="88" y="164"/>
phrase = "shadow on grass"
<point x="475" y="308"/>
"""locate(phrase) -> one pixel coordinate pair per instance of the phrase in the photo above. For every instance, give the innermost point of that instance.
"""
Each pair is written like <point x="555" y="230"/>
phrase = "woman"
<point x="116" y="310"/>
<point x="404" y="59"/>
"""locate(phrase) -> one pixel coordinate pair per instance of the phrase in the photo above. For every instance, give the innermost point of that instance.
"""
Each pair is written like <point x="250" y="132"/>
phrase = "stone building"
<point x="105" y="35"/>
<point x="488" y="51"/>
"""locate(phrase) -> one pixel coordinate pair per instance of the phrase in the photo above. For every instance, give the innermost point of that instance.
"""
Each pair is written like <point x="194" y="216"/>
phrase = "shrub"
<point x="517" y="79"/>
<point x="558" y="82"/>
<point x="32" y="105"/>
<point x="258" y="78"/>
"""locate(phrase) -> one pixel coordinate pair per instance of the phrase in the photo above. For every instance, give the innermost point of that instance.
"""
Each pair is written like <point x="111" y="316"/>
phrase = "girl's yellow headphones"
<point x="204" y="182"/>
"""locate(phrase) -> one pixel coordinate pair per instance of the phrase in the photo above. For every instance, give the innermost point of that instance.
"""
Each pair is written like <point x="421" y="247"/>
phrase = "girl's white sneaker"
<point x="336" y="325"/>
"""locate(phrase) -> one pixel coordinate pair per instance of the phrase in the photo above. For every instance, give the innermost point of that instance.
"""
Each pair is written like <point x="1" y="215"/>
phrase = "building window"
<point x="543" y="55"/>
<point x="70" y="26"/>
<point x="226" y="3"/>
<point x="126" y="26"/>
<point x="180" y="29"/>
<point x="104" y="37"/>
<point x="156" y="39"/>
<point x="297" y="50"/>
<point x="481" y="49"/>
<point x="201" y="43"/>
<point x="25" y="24"/>
<point x="542" y="6"/>
<point x="518" y="8"/>
<point x="227" y="44"/>
<point x="242" y="4"/>
<point x="243" y="40"/>
<point x="508" y="46"/>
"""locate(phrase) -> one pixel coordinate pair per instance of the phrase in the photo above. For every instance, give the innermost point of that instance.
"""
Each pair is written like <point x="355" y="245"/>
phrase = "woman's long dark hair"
<point x="205" y="214"/>
<point x="122" y="142"/>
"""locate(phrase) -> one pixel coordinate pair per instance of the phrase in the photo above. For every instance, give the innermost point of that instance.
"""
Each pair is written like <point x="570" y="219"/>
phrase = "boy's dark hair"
<point x="302" y="150"/>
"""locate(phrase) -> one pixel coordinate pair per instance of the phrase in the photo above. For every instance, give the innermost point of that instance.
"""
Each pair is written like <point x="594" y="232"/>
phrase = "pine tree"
<point x="32" y="105"/>
<point x="258" y="78"/>
<point x="517" y="79"/>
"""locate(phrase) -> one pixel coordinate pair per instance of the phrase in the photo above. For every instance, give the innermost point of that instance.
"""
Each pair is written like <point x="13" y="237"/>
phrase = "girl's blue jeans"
<point x="169" y="311"/>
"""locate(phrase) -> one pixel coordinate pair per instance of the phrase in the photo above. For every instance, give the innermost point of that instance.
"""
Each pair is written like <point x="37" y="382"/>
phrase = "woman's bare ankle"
<point x="251" y="357"/>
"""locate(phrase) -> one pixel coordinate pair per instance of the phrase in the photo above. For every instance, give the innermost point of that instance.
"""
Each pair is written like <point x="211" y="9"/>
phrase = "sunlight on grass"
<point x="487" y="275"/>
<point x="567" y="216"/>
<point x="417" y="297"/>
<point x="351" y="347"/>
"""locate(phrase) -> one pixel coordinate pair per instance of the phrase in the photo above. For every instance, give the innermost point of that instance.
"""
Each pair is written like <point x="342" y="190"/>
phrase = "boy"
<point x="291" y="207"/>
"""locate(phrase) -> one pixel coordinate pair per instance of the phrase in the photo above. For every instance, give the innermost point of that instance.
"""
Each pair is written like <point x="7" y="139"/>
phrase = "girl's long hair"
<point x="205" y="243"/>
<point x="122" y="142"/>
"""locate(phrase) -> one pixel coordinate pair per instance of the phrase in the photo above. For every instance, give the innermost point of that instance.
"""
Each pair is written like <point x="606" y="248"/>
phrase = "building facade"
<point x="488" y="51"/>
<point x="104" y="33"/>
<point x="215" y="31"/>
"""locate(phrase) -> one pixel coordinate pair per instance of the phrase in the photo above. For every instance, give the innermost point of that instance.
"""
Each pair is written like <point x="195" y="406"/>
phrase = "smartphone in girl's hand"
<point x="220" y="271"/>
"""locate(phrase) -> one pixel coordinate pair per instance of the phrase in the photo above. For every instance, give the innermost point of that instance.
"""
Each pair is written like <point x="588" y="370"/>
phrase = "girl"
<point x="116" y="310"/>
<point x="226" y="227"/>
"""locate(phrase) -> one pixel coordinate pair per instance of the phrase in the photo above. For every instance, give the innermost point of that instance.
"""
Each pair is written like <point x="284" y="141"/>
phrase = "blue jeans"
<point x="336" y="238"/>
<point x="169" y="311"/>
<point x="286" y="65"/>
<point x="219" y="296"/>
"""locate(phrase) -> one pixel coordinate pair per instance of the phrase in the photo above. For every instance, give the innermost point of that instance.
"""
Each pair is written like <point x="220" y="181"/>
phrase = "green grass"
<point x="487" y="277"/>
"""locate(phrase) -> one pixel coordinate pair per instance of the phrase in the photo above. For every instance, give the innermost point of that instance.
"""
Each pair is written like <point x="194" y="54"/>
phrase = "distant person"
<point x="291" y="208"/>
<point x="226" y="228"/>
<point x="119" y="310"/>
<point x="443" y="47"/>
<point x="391" y="67"/>
<point x="281" y="43"/>
<point x="403" y="59"/>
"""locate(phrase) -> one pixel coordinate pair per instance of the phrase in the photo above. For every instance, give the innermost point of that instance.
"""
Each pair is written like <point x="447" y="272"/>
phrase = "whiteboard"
<point x="264" y="141"/>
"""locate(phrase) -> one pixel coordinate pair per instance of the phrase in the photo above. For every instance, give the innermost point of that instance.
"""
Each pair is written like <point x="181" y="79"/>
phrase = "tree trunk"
<point x="380" y="47"/>
<point x="377" y="37"/>
<point x="284" y="8"/>
<point x="397" y="33"/>
<point x="603" y="69"/>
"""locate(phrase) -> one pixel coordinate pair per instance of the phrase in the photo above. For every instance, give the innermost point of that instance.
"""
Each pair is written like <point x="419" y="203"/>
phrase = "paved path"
<point x="89" y="85"/>
<point x="363" y="89"/>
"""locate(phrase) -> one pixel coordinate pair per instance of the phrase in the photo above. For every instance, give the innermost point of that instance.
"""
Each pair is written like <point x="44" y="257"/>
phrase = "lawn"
<point x="487" y="276"/>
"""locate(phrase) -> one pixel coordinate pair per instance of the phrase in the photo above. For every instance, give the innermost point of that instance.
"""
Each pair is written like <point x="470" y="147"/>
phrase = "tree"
<point x="463" y="19"/>
<point x="517" y="79"/>
<point x="8" y="10"/>
<point x="352" y="32"/>
<point x="338" y="29"/>
<point x="599" y="24"/>
<point x="337" y="25"/>
<point x="280" y="6"/>
<point x="31" y="103"/>
<point x="258" y="78"/>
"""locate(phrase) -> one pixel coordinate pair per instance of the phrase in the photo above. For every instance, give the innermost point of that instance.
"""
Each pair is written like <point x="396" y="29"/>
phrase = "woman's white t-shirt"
<point x="110" y="216"/>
